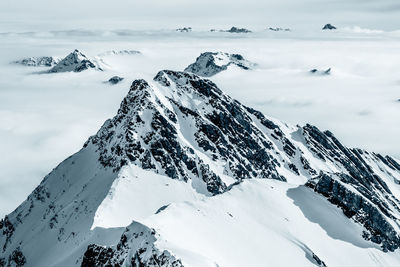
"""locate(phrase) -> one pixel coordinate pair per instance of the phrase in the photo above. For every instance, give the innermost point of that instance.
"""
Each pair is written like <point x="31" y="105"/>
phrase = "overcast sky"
<point x="53" y="15"/>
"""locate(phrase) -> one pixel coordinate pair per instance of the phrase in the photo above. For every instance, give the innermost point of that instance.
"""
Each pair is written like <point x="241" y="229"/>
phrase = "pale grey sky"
<point x="54" y="15"/>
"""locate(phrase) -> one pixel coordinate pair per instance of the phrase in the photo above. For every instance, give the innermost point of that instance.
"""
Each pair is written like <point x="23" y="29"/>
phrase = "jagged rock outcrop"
<point x="362" y="194"/>
<point x="329" y="27"/>
<point x="75" y="62"/>
<point x="38" y="61"/>
<point x="224" y="131"/>
<point x="115" y="80"/>
<point x="211" y="63"/>
<point x="135" y="248"/>
<point x="321" y="72"/>
<point x="16" y="259"/>
<point x="363" y="206"/>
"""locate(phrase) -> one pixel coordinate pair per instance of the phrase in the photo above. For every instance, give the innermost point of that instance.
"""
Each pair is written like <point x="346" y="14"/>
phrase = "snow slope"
<point x="261" y="223"/>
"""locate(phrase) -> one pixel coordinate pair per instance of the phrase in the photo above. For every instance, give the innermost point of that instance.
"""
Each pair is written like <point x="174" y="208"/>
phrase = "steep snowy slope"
<point x="178" y="157"/>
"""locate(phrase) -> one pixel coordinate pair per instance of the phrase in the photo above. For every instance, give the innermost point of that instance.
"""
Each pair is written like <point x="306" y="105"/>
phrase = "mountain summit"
<point x="184" y="175"/>
<point x="210" y="63"/>
<point x="76" y="61"/>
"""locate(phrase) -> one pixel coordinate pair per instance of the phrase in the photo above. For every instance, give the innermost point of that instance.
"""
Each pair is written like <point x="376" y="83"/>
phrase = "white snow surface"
<point x="137" y="194"/>
<point x="265" y="223"/>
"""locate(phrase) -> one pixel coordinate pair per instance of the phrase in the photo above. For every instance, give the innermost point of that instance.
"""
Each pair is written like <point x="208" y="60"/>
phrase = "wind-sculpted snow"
<point x="210" y="63"/>
<point x="178" y="145"/>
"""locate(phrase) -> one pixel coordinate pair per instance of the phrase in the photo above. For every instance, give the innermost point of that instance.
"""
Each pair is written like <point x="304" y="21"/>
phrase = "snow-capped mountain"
<point x="211" y="63"/>
<point x="38" y="61"/>
<point x="238" y="30"/>
<point x="184" y="175"/>
<point x="76" y="61"/>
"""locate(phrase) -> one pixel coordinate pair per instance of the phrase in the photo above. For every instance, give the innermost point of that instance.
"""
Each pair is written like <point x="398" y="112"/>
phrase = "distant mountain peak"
<point x="238" y="30"/>
<point x="44" y="61"/>
<point x="211" y="63"/>
<point x="329" y="27"/>
<point x="76" y="61"/>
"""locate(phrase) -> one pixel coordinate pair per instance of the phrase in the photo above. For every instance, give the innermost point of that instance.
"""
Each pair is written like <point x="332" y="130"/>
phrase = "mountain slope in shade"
<point x="220" y="183"/>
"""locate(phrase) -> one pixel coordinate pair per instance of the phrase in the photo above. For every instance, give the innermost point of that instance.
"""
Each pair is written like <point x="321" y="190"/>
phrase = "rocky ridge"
<point x="135" y="248"/>
<point x="38" y="61"/>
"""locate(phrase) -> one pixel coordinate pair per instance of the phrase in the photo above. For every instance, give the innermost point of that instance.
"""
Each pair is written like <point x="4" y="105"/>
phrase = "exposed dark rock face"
<point x="38" y="61"/>
<point x="238" y="30"/>
<point x="75" y="62"/>
<point x="363" y="206"/>
<point x="115" y="80"/>
<point x="358" y="190"/>
<point x="329" y="27"/>
<point x="136" y="248"/>
<point x="160" y="148"/>
<point x="318" y="261"/>
<point x="223" y="130"/>
<point x="16" y="259"/>
<point x="321" y="72"/>
<point x="211" y="63"/>
<point x="7" y="229"/>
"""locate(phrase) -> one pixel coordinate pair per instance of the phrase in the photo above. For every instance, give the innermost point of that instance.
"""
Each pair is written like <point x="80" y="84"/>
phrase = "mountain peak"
<point x="180" y="138"/>
<point x="211" y="63"/>
<point x="76" y="61"/>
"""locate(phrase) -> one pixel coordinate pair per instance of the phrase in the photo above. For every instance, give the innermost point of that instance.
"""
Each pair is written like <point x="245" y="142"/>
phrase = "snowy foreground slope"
<point x="184" y="175"/>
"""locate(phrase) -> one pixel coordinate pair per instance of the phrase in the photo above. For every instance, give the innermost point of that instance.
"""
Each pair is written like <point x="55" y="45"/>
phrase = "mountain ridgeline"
<point x="184" y="127"/>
